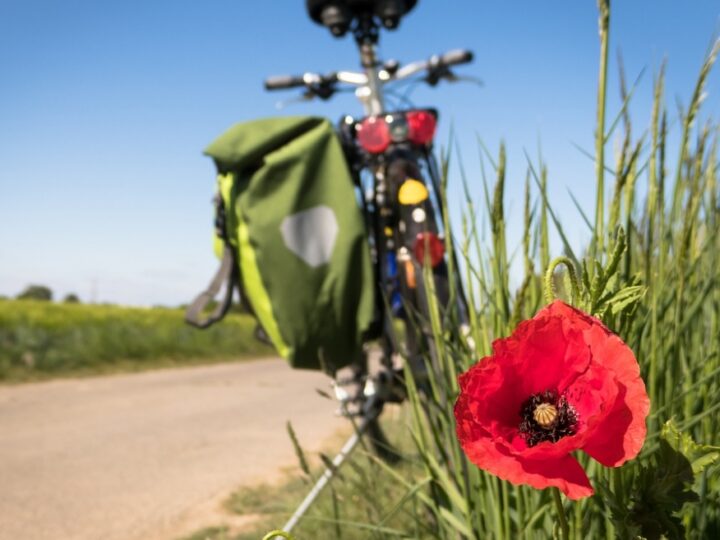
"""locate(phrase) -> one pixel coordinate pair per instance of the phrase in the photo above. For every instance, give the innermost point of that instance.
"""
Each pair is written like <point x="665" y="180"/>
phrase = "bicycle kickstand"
<point x="324" y="480"/>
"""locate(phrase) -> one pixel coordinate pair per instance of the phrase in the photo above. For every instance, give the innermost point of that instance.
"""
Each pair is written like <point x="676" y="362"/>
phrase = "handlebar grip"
<point x="458" y="56"/>
<point x="279" y="82"/>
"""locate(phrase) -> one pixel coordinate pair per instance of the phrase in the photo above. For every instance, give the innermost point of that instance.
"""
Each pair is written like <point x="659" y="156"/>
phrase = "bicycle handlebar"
<point x="436" y="66"/>
<point x="457" y="56"/>
<point x="280" y="82"/>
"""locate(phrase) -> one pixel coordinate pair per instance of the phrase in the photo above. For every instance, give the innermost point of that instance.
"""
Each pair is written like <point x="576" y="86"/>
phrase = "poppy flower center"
<point x="546" y="416"/>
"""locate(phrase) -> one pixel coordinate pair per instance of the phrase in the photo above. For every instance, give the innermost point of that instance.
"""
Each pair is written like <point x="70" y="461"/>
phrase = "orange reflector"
<point x="410" y="275"/>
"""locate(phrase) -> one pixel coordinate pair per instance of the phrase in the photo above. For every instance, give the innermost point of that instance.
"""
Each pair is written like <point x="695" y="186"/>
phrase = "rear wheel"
<point x="408" y="214"/>
<point x="404" y="291"/>
<point x="418" y="242"/>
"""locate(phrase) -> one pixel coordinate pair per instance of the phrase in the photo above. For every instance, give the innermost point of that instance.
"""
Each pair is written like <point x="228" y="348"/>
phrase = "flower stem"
<point x="604" y="28"/>
<point x="574" y="284"/>
<point x="564" y="529"/>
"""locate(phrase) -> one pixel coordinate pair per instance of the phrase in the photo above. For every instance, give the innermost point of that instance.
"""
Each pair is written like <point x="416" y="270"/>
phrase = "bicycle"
<point x="389" y="153"/>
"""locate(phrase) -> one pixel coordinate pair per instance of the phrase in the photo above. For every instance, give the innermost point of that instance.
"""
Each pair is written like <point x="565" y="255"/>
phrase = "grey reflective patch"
<point x="311" y="234"/>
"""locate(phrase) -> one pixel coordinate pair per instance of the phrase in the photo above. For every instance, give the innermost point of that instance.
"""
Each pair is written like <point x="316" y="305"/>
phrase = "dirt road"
<point x="143" y="456"/>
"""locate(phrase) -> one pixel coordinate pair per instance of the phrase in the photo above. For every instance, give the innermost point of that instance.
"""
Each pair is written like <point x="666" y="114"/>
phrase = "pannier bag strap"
<point x="228" y="274"/>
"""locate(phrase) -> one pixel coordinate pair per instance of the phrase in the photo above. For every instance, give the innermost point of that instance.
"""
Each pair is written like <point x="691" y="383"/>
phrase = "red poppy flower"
<point x="561" y="382"/>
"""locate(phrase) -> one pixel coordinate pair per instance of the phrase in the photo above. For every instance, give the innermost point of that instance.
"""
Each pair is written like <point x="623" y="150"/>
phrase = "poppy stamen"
<point x="547" y="416"/>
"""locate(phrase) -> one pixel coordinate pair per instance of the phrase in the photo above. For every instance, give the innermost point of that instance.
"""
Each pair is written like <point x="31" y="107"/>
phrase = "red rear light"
<point x="422" y="126"/>
<point x="430" y="242"/>
<point x="373" y="134"/>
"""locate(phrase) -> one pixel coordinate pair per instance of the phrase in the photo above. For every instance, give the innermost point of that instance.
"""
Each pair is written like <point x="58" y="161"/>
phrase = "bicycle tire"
<point x="400" y="168"/>
<point x="415" y="217"/>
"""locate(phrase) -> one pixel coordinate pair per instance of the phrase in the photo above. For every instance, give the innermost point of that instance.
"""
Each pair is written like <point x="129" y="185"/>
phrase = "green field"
<point x="43" y="339"/>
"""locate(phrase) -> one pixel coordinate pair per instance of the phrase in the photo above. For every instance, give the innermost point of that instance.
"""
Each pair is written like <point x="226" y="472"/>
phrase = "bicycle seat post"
<point x="366" y="36"/>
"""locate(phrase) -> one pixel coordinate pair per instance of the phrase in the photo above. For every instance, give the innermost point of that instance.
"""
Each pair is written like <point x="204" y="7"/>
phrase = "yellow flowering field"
<point x="42" y="339"/>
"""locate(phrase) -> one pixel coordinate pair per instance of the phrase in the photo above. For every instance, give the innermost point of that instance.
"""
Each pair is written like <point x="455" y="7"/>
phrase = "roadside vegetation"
<point x="342" y="512"/>
<point x="40" y="339"/>
<point x="650" y="271"/>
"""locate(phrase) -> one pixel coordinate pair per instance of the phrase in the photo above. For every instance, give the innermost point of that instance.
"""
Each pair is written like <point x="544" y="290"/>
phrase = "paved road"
<point x="133" y="457"/>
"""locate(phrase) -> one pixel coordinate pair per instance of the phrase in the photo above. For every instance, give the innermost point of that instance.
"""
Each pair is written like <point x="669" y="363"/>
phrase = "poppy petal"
<point x="562" y="472"/>
<point x="622" y="433"/>
<point x="549" y="353"/>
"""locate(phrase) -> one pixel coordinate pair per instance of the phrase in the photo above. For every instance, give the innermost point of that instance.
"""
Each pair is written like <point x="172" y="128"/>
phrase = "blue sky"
<point x="105" y="108"/>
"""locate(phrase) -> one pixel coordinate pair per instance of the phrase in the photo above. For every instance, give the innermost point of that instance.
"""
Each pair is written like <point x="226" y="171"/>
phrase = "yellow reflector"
<point x="412" y="192"/>
<point x="388" y="231"/>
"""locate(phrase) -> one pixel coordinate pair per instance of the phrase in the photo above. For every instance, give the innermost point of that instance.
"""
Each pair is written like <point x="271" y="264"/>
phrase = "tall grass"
<point x="651" y="272"/>
<point x="41" y="339"/>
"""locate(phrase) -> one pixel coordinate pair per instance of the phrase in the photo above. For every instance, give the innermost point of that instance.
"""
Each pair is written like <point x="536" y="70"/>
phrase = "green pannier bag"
<point x="292" y="239"/>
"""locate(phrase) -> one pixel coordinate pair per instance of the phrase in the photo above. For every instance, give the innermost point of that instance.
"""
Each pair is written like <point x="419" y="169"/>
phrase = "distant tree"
<point x="71" y="298"/>
<point x="36" y="292"/>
